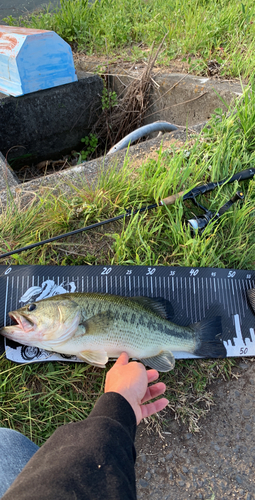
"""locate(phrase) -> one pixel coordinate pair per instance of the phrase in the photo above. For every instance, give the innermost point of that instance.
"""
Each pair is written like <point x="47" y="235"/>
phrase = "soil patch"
<point x="217" y="463"/>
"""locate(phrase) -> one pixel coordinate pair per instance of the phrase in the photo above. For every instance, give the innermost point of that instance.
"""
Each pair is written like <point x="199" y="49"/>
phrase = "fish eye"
<point x="31" y="307"/>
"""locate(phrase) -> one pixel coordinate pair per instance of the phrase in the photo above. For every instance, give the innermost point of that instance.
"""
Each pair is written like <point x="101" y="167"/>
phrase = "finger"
<point x="151" y="408"/>
<point x="152" y="375"/>
<point x="154" y="391"/>
<point x="123" y="359"/>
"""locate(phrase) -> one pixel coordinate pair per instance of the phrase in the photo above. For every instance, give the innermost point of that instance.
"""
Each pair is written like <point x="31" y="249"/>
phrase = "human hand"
<point x="131" y="381"/>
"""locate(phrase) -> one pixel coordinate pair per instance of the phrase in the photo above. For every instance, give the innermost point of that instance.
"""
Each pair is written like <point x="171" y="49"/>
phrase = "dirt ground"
<point x="217" y="463"/>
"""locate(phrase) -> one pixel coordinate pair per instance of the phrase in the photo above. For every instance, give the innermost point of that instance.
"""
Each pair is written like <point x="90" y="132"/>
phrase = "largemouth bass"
<point x="97" y="327"/>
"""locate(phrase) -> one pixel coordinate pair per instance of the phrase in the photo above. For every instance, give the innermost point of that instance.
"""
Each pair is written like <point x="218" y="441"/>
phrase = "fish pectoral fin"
<point x="99" y="323"/>
<point x="162" y="362"/>
<point x="96" y="358"/>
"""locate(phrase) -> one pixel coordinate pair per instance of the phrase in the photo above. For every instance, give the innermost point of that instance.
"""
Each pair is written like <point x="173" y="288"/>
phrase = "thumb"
<point x="123" y="359"/>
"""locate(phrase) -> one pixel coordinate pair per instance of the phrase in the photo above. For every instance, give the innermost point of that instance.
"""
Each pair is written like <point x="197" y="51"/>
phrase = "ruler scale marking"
<point x="164" y="286"/>
<point x="190" y="301"/>
<point x="6" y="300"/>
<point x="151" y="285"/>
<point x="12" y="292"/>
<point x="203" y="297"/>
<point x="226" y="297"/>
<point x="17" y="294"/>
<point x="177" y="289"/>
<point x="186" y="298"/>
<point x="199" y="304"/>
<point x="245" y="293"/>
<point x="207" y="296"/>
<point x="195" y="302"/>
<point x="223" y="296"/>
<point x="232" y="304"/>
<point x="238" y="303"/>
<point x="211" y="290"/>
<point x="240" y="291"/>
<point x="234" y="298"/>
<point x="181" y="293"/>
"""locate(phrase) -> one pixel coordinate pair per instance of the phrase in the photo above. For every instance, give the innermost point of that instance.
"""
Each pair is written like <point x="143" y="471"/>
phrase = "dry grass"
<point x="127" y="115"/>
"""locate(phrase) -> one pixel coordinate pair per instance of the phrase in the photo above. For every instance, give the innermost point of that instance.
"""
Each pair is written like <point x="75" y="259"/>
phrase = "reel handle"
<point x="238" y="196"/>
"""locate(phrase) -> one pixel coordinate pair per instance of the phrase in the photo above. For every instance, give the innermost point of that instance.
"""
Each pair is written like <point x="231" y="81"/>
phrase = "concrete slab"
<point x="49" y="123"/>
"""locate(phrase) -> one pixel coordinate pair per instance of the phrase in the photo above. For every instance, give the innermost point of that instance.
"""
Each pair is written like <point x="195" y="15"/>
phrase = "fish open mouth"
<point x="22" y="322"/>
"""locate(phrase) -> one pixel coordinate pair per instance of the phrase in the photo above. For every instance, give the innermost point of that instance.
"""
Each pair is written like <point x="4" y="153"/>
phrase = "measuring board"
<point x="195" y="293"/>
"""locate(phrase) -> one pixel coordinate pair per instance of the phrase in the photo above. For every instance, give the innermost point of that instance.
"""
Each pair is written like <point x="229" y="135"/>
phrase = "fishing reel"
<point x="198" y="224"/>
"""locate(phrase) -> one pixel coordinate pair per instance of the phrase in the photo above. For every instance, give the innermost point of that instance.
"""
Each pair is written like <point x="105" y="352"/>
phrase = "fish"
<point x="251" y="297"/>
<point x="97" y="327"/>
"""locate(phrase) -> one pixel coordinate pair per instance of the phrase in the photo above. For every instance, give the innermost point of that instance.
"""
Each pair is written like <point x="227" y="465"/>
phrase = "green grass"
<point x="197" y="30"/>
<point x="35" y="399"/>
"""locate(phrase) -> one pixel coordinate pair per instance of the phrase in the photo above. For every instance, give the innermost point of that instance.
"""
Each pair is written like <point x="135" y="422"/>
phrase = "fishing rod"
<point x="170" y="200"/>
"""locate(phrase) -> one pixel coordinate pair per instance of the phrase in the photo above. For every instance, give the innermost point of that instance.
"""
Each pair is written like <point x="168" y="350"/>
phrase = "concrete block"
<point x="32" y="60"/>
<point x="46" y="124"/>
<point x="8" y="178"/>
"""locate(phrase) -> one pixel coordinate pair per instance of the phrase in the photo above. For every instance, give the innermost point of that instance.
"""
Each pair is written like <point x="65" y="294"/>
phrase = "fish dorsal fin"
<point x="251" y="297"/>
<point x="99" y="323"/>
<point x="163" y="362"/>
<point x="158" y="305"/>
<point x="96" y="358"/>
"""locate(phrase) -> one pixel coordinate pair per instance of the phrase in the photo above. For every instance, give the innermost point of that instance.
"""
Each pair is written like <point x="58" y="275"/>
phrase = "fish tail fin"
<point x="209" y="342"/>
<point x="251" y="297"/>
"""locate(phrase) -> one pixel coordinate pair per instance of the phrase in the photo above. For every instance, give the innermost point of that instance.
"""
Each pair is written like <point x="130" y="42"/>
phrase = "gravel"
<point x="216" y="463"/>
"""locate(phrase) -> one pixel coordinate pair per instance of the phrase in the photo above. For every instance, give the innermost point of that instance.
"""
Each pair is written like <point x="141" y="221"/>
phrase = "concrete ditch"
<point x="49" y="122"/>
<point x="183" y="99"/>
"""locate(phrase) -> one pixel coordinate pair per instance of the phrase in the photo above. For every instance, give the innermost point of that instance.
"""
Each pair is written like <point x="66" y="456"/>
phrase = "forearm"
<point x="92" y="459"/>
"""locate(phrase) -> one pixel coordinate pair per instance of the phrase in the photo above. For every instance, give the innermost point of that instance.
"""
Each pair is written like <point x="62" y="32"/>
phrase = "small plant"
<point x="90" y="142"/>
<point x="109" y="99"/>
<point x="198" y="66"/>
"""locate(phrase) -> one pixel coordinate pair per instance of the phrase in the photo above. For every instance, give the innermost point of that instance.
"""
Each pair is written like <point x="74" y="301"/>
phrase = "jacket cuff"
<point x="116" y="407"/>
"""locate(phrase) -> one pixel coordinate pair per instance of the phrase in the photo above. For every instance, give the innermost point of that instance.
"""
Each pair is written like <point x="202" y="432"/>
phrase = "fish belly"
<point x="138" y="342"/>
